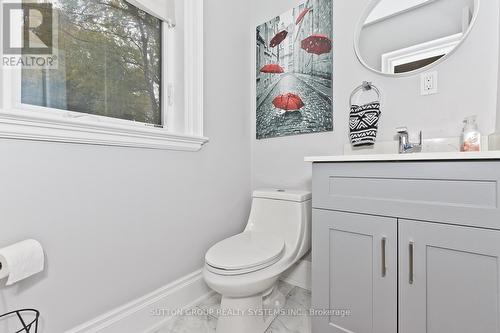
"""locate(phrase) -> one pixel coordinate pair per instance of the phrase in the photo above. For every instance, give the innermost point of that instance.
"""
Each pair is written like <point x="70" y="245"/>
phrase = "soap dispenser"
<point x="471" y="137"/>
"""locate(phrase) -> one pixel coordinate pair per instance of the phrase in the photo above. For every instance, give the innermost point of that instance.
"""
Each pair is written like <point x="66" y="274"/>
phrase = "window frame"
<point x="441" y="46"/>
<point x="182" y="129"/>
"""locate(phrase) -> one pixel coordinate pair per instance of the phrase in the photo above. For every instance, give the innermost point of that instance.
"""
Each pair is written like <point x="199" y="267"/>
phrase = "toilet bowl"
<point x="246" y="267"/>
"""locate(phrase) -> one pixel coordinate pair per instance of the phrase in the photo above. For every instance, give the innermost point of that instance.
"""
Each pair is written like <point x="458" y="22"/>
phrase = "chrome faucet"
<point x="405" y="146"/>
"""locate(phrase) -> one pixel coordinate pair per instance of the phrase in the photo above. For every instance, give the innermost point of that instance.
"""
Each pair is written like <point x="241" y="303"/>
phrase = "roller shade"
<point x="163" y="9"/>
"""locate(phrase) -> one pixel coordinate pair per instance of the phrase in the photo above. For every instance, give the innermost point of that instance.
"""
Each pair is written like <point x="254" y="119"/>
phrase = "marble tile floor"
<point x="205" y="318"/>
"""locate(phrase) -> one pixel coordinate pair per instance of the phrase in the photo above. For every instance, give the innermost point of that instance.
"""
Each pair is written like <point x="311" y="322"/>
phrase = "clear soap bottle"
<point x="471" y="137"/>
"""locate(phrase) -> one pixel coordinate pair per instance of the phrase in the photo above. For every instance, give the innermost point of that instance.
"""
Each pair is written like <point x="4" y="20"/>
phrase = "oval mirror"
<point x="398" y="37"/>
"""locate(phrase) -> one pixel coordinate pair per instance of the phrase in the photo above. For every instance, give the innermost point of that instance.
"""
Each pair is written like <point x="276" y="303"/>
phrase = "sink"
<point x="433" y="145"/>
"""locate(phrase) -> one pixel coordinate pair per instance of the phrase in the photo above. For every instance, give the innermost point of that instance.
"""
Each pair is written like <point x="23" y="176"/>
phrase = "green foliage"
<point x="109" y="62"/>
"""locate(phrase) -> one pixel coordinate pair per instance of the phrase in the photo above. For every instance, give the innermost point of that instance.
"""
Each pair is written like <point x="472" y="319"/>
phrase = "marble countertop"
<point x="446" y="156"/>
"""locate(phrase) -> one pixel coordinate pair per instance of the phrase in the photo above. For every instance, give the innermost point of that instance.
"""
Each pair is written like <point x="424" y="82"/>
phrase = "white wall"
<point x="117" y="223"/>
<point x="468" y="85"/>
<point x="389" y="7"/>
<point x="498" y="95"/>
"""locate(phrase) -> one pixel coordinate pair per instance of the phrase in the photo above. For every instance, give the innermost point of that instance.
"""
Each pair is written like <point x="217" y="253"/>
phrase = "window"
<point x="109" y="63"/>
<point x="115" y="79"/>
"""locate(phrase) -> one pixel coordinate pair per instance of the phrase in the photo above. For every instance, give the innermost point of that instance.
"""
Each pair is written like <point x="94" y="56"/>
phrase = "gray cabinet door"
<point x="449" y="279"/>
<point x="354" y="269"/>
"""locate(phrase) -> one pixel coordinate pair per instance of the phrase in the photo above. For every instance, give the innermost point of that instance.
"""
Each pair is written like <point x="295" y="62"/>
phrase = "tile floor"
<point x="294" y="298"/>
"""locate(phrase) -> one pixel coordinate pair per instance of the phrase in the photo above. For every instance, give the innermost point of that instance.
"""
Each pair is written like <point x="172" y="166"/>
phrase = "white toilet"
<point x="246" y="267"/>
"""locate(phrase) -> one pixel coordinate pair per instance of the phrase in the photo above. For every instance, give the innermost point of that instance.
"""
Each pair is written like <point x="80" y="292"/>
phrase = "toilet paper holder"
<point x="21" y="260"/>
<point x="28" y="318"/>
<point x="4" y="272"/>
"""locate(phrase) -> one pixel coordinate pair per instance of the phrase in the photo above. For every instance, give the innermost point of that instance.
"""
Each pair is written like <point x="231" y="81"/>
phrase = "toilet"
<point x="245" y="268"/>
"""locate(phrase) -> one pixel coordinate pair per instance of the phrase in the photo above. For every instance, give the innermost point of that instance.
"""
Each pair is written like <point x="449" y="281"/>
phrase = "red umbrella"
<point x="272" y="69"/>
<point x="301" y="15"/>
<point x="317" y="44"/>
<point x="280" y="36"/>
<point x="288" y="102"/>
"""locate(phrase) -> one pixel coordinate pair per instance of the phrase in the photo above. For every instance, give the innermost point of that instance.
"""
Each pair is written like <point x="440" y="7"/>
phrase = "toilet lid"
<point x="246" y="250"/>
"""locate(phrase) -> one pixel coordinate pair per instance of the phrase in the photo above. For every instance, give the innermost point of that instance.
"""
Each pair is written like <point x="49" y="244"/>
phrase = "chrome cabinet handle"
<point x="412" y="257"/>
<point x="384" y="259"/>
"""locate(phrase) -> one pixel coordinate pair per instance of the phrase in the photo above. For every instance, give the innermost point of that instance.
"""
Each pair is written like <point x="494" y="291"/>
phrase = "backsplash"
<point x="433" y="145"/>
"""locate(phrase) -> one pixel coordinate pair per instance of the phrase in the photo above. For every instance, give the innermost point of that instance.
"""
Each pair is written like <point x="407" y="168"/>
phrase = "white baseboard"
<point x="137" y="316"/>
<point x="299" y="275"/>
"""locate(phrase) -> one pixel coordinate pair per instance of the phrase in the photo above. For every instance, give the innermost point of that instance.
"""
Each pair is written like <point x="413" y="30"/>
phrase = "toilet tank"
<point x="286" y="213"/>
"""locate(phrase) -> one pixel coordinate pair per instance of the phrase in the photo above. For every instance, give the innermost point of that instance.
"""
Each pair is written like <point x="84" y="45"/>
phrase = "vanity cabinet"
<point x="448" y="278"/>
<point x="408" y="247"/>
<point x="356" y="271"/>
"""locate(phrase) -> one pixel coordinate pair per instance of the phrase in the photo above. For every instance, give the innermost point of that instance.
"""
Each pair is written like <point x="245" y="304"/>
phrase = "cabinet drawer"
<point x="463" y="193"/>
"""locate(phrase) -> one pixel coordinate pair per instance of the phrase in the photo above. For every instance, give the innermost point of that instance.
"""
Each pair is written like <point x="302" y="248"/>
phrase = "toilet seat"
<point x="245" y="253"/>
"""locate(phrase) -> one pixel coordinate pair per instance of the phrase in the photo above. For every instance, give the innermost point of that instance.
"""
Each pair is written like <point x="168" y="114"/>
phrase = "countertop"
<point x="446" y="156"/>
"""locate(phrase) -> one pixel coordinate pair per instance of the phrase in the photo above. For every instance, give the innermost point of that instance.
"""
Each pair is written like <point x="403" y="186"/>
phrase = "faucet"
<point x="405" y="146"/>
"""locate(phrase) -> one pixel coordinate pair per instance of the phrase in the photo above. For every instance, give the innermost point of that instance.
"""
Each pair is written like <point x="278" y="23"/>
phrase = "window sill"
<point x="17" y="125"/>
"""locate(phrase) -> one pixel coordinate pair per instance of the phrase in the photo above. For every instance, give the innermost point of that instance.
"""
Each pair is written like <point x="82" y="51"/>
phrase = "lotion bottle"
<point x="471" y="137"/>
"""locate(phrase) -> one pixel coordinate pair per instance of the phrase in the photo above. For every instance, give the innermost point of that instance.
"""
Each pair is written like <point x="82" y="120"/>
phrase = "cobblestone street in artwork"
<point x="315" y="116"/>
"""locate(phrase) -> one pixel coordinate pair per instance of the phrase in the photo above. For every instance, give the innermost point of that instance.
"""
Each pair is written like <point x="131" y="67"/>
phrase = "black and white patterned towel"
<point x="363" y="124"/>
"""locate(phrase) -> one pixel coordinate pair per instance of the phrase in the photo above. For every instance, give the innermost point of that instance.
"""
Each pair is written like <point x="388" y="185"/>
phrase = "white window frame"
<point x="183" y="129"/>
<point x="434" y="48"/>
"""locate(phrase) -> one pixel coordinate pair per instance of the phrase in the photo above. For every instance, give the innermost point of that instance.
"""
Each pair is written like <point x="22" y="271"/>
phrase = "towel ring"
<point x="365" y="86"/>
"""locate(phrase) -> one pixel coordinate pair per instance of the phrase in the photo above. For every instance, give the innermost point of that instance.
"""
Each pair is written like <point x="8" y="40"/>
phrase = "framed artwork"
<point x="294" y="72"/>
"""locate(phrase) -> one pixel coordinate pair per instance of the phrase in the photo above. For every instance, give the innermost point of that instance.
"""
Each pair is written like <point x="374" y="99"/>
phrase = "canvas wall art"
<point x="294" y="72"/>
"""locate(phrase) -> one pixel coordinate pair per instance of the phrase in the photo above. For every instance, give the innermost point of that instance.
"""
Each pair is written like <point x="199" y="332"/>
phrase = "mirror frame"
<point x="359" y="28"/>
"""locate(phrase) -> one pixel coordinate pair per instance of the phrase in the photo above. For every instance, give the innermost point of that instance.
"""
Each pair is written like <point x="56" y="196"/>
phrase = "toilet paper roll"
<point x="21" y="260"/>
